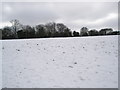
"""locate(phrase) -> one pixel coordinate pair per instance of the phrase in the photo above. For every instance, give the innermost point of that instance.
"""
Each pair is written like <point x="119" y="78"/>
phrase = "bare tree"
<point x="93" y="32"/>
<point x="15" y="26"/>
<point x="84" y="31"/>
<point x="50" y="29"/>
<point x="63" y="30"/>
<point x="40" y="31"/>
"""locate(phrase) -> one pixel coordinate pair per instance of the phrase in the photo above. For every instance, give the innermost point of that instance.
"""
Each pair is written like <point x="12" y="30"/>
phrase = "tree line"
<point x="51" y="29"/>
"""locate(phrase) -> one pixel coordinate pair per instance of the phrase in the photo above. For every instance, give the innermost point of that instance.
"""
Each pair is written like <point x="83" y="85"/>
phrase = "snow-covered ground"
<point x="79" y="62"/>
<point x="0" y="64"/>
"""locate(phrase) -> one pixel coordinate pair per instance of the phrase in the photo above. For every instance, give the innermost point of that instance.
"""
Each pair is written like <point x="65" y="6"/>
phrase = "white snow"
<point x="79" y="62"/>
<point x="0" y="64"/>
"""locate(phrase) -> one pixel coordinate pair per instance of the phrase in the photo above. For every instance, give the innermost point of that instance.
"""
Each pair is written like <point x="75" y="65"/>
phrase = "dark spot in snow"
<point x="96" y="72"/>
<point x="18" y="49"/>
<point x="63" y="52"/>
<point x="75" y="62"/>
<point x="24" y="68"/>
<point x="87" y="68"/>
<point x="98" y="65"/>
<point x="58" y="46"/>
<point x="46" y="63"/>
<point x="44" y="49"/>
<point x="110" y="72"/>
<point x="37" y="44"/>
<point x="81" y="78"/>
<point x="20" y="72"/>
<point x="53" y="60"/>
<point x="83" y="47"/>
<point x="3" y="48"/>
<point x="70" y="66"/>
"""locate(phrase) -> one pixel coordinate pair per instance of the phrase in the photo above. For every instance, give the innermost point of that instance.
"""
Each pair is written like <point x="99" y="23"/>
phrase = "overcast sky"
<point x="74" y="15"/>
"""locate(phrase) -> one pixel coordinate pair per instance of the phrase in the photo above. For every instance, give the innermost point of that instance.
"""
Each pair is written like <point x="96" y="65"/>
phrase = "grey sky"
<point x="74" y="15"/>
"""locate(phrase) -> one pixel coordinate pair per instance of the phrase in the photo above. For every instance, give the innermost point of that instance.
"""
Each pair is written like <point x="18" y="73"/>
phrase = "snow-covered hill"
<point x="79" y="62"/>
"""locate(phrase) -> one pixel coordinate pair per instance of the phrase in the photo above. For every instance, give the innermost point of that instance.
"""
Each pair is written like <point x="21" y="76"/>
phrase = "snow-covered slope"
<point x="81" y="62"/>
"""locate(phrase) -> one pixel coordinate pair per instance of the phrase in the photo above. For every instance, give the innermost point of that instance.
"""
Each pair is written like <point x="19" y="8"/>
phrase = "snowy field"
<point x="79" y="62"/>
<point x="0" y="64"/>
